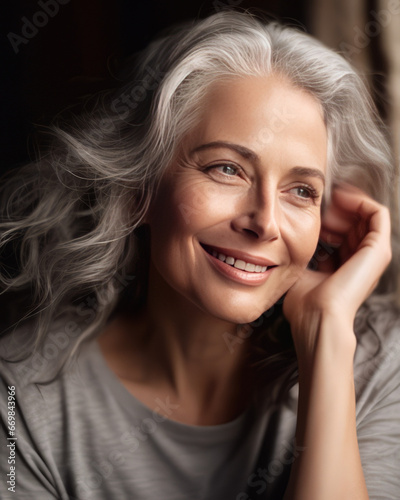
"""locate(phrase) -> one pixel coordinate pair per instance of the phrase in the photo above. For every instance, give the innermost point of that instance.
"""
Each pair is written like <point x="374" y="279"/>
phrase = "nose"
<point x="259" y="216"/>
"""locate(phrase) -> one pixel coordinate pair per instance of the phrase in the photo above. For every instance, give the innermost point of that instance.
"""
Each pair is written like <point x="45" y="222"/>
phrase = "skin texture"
<point x="261" y="205"/>
<point x="255" y="201"/>
<point x="258" y="193"/>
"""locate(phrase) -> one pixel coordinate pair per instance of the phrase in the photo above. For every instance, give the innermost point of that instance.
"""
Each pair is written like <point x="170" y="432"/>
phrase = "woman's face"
<point x="237" y="216"/>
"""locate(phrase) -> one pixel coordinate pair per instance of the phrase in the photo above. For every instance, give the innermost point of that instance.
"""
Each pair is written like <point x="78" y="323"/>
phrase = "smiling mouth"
<point x="237" y="263"/>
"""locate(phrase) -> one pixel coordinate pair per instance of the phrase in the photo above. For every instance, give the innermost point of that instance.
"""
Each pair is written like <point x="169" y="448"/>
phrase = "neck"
<point x="193" y="350"/>
<point x="179" y="350"/>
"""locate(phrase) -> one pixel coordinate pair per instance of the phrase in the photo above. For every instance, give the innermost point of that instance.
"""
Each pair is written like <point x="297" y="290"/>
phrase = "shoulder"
<point x="49" y="410"/>
<point x="26" y="362"/>
<point x="47" y="381"/>
<point x="377" y="382"/>
<point x="376" y="362"/>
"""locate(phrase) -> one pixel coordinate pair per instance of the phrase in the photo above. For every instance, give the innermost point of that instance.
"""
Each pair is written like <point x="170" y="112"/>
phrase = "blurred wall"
<point x="367" y="32"/>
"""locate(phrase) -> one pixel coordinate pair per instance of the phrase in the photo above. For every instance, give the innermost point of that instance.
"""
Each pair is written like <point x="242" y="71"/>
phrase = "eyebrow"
<point x="248" y="154"/>
<point x="243" y="151"/>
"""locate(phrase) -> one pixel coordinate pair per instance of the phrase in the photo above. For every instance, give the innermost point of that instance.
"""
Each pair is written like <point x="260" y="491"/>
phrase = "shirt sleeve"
<point x="378" y="418"/>
<point x="25" y="462"/>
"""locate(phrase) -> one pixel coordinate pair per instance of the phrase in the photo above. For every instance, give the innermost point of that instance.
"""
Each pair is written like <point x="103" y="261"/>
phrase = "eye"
<point x="226" y="172"/>
<point x="305" y="192"/>
<point x="226" y="169"/>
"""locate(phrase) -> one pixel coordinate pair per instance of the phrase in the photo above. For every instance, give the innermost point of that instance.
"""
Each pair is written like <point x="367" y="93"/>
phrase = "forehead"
<point x="264" y="114"/>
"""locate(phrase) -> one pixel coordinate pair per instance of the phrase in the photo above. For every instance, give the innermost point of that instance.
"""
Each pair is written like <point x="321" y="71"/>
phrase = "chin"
<point x="239" y="314"/>
<point x="244" y="318"/>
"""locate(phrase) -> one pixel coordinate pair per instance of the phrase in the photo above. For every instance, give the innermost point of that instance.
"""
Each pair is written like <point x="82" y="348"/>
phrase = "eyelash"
<point x="222" y="165"/>
<point x="312" y="193"/>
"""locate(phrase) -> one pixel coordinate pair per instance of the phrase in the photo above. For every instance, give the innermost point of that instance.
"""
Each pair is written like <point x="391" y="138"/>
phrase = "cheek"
<point x="199" y="203"/>
<point x="178" y="214"/>
<point x="170" y="210"/>
<point x="302" y="238"/>
<point x="192" y="206"/>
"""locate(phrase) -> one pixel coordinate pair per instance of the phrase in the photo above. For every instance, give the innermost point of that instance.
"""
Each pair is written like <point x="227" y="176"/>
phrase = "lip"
<point x="237" y="275"/>
<point x="238" y="254"/>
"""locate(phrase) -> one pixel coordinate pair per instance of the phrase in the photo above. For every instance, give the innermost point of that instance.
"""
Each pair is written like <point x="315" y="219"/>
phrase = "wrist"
<point x="330" y="342"/>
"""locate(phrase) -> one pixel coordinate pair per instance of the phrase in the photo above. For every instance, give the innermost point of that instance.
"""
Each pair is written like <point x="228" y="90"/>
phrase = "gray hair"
<point x="76" y="212"/>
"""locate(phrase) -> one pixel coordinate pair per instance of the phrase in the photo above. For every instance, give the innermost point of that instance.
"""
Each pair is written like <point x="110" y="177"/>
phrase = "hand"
<point x="360" y="229"/>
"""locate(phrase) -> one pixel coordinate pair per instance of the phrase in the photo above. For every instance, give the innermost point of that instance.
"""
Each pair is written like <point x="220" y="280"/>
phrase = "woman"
<point x="170" y="241"/>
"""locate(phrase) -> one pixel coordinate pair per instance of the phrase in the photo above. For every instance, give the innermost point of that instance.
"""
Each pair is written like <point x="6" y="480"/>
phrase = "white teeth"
<point x="239" y="264"/>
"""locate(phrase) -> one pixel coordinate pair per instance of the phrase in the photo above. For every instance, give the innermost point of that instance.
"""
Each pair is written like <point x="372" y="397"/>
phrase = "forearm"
<point x="329" y="467"/>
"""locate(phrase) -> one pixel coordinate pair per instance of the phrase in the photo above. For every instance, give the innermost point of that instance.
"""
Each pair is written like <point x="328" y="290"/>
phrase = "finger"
<point x="333" y="239"/>
<point x="365" y="251"/>
<point x="373" y="218"/>
<point x="354" y="202"/>
<point x="338" y="221"/>
<point x="356" y="278"/>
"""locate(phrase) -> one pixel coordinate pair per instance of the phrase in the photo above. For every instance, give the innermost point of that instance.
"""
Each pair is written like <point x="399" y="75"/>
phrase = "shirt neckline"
<point x="134" y="406"/>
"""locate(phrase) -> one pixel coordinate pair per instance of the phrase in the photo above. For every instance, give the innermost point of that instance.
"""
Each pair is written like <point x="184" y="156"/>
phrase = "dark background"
<point x="80" y="47"/>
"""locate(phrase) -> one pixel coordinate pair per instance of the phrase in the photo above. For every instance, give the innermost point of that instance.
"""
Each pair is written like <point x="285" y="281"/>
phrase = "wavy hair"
<point x="74" y="216"/>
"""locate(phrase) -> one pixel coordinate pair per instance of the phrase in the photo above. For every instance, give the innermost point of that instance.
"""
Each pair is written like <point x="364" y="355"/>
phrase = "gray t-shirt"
<point x="84" y="436"/>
